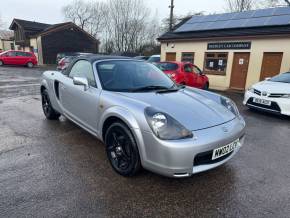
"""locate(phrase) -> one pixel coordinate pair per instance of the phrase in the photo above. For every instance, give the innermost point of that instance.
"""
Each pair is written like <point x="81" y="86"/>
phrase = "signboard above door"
<point x="229" y="45"/>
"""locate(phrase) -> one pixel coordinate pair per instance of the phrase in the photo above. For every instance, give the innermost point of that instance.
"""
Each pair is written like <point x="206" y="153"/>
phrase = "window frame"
<point x="215" y="57"/>
<point x="185" y="53"/>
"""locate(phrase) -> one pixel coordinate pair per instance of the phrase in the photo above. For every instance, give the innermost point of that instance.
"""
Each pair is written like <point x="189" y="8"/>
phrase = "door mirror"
<point x="268" y="78"/>
<point x="81" y="81"/>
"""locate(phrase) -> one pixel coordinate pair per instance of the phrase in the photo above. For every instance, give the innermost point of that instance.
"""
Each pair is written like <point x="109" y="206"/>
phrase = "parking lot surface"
<point x="56" y="169"/>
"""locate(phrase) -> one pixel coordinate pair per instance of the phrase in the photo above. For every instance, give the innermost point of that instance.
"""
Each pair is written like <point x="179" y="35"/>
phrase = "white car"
<point x="272" y="95"/>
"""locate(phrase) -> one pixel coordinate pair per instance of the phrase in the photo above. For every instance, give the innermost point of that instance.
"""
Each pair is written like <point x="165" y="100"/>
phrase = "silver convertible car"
<point x="143" y="117"/>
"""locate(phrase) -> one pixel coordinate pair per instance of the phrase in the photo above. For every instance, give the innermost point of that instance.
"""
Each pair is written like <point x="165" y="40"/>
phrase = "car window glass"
<point x="130" y="75"/>
<point x="83" y="69"/>
<point x="188" y="68"/>
<point x="196" y="70"/>
<point x="11" y="54"/>
<point x="21" y="54"/>
<point x="283" y="78"/>
<point x="167" y="66"/>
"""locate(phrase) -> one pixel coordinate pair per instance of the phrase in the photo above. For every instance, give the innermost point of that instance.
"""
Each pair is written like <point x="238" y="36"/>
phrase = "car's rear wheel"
<point x="30" y="64"/>
<point x="48" y="110"/>
<point x="206" y="86"/>
<point x="122" y="150"/>
<point x="1" y="63"/>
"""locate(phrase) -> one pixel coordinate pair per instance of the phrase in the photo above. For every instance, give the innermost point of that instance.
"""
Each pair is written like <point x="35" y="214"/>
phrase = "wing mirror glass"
<point x="80" y="81"/>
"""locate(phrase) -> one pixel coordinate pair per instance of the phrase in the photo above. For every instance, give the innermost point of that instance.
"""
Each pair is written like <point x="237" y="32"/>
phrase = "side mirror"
<point x="268" y="78"/>
<point x="81" y="81"/>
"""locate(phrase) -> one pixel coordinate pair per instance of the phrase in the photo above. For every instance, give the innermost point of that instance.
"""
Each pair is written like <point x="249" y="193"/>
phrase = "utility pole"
<point x="171" y="15"/>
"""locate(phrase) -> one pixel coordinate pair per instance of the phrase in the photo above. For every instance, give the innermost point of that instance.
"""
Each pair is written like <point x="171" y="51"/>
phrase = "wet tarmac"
<point x="56" y="169"/>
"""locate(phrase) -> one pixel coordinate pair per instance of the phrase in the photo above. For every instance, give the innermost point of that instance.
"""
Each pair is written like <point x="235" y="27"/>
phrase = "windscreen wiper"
<point x="150" y="88"/>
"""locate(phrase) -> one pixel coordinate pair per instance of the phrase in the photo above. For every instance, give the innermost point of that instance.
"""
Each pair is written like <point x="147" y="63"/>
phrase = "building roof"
<point x="35" y="29"/>
<point x="6" y="34"/>
<point x="256" y="22"/>
<point x="29" y="25"/>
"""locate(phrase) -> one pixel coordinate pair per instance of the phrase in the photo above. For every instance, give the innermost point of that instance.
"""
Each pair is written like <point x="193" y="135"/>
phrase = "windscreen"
<point x="166" y="66"/>
<point x="130" y="75"/>
<point x="283" y="78"/>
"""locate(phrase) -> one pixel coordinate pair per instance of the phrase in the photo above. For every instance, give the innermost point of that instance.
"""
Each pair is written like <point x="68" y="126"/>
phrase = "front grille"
<point x="257" y="92"/>
<point x="273" y="107"/>
<point x="206" y="158"/>
<point x="275" y="95"/>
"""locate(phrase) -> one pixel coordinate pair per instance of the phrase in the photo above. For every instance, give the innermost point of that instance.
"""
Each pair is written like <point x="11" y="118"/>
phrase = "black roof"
<point x="95" y="57"/>
<point x="255" y="22"/>
<point x="29" y="25"/>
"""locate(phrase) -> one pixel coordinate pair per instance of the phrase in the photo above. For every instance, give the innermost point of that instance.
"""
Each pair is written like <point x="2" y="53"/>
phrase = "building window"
<point x="12" y="46"/>
<point x="187" y="57"/>
<point x="216" y="63"/>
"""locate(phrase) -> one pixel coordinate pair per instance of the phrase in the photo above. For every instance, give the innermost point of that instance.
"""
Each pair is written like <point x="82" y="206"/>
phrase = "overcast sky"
<point x="49" y="11"/>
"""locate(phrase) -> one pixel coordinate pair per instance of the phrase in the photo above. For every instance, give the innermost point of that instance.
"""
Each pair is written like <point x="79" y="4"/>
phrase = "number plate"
<point x="222" y="151"/>
<point x="262" y="101"/>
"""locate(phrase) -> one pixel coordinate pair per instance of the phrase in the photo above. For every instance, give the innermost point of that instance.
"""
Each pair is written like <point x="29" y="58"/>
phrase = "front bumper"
<point x="178" y="158"/>
<point x="278" y="105"/>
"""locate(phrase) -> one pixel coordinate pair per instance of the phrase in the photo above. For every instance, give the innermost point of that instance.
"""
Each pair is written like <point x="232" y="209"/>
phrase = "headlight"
<point x="230" y="105"/>
<point x="251" y="89"/>
<point x="164" y="126"/>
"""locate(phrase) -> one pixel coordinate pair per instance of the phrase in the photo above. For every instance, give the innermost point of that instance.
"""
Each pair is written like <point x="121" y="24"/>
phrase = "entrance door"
<point x="271" y="65"/>
<point x="240" y="70"/>
<point x="170" y="56"/>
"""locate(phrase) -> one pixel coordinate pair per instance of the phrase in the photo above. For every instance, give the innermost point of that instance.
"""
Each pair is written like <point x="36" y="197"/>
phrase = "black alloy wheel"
<point x="48" y="110"/>
<point x="122" y="150"/>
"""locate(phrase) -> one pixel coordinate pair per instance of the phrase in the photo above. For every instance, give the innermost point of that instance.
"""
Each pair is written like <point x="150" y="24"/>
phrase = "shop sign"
<point x="229" y="45"/>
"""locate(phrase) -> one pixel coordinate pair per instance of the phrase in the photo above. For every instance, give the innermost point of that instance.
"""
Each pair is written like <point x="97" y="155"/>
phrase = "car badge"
<point x="225" y="129"/>
<point x="264" y="93"/>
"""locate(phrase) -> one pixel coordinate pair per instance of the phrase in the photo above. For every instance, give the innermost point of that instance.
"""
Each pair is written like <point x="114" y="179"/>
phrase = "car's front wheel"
<point x="122" y="150"/>
<point x="1" y="63"/>
<point x="48" y="110"/>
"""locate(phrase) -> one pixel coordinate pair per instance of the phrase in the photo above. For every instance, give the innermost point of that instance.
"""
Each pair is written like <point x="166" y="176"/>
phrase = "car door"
<point x="20" y="58"/>
<point x="190" y="77"/>
<point x="200" y="78"/>
<point x="79" y="103"/>
<point x="10" y="57"/>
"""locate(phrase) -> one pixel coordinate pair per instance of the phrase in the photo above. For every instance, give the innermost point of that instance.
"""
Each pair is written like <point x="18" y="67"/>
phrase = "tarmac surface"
<point x="56" y="169"/>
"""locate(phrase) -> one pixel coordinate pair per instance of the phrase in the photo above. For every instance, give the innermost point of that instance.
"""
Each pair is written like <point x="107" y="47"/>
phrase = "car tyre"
<point x="206" y="86"/>
<point x="122" y="150"/>
<point x="1" y="63"/>
<point x="48" y="110"/>
<point x="29" y="64"/>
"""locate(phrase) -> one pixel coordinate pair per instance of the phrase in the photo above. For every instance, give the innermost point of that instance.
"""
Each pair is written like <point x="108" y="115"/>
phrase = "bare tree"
<point x="275" y="3"/>
<point x="239" y="5"/>
<point x="1" y="22"/>
<point x="128" y="25"/>
<point x="78" y="12"/>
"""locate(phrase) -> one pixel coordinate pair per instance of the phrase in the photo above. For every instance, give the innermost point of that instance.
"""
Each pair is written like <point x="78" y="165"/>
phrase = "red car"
<point x="185" y="73"/>
<point x="18" y="58"/>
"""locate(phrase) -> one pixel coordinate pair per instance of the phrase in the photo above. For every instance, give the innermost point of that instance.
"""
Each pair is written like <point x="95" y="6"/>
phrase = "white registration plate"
<point x="262" y="101"/>
<point x="222" y="151"/>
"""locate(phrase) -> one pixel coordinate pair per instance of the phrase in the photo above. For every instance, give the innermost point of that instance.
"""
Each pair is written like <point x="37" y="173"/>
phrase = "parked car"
<point x="154" y="59"/>
<point x="143" y="117"/>
<point x="185" y="74"/>
<point x="271" y="95"/>
<point x="60" y="56"/>
<point x="142" y="57"/>
<point x="18" y="58"/>
<point x="65" y="62"/>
